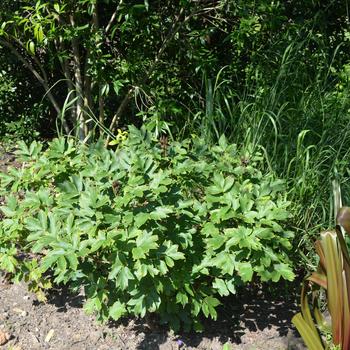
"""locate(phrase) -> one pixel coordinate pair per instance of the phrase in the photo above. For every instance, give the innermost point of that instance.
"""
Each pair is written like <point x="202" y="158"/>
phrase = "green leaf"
<point x="246" y="203"/>
<point x="221" y="287"/>
<point x="224" y="261"/>
<point x="216" y="242"/>
<point x="144" y="243"/>
<point x="229" y="181"/>
<point x="140" y="270"/>
<point x="73" y="260"/>
<point x="40" y="34"/>
<point x="173" y="253"/>
<point x="161" y="213"/>
<point x="245" y="271"/>
<point x="89" y="306"/>
<point x="141" y="218"/>
<point x="163" y="269"/>
<point x="231" y="285"/>
<point x="209" y="305"/>
<point x="138" y="305"/>
<point x="6" y="179"/>
<point x="226" y="346"/>
<point x="31" y="47"/>
<point x="169" y="261"/>
<point x="182" y="298"/>
<point x="210" y="230"/>
<point x="62" y="263"/>
<point x="48" y="262"/>
<point x="223" y="142"/>
<point x="285" y="271"/>
<point x="124" y="275"/>
<point x="33" y="224"/>
<point x="238" y="236"/>
<point x="219" y="215"/>
<point x="117" y="310"/>
<point x="10" y="213"/>
<point x="8" y="263"/>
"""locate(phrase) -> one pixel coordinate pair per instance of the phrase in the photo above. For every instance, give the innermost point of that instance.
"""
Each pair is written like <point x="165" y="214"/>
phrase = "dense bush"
<point x="155" y="226"/>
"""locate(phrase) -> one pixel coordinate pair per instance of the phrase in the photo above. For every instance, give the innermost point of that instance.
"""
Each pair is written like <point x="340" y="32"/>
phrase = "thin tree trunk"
<point x="69" y="82"/>
<point x="79" y="86"/>
<point x="70" y="90"/>
<point x="88" y="101"/>
<point x="101" y="107"/>
<point x="101" y="103"/>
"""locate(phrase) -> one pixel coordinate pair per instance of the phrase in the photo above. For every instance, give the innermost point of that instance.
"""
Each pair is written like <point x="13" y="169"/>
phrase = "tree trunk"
<point x="101" y="103"/>
<point x="81" y="125"/>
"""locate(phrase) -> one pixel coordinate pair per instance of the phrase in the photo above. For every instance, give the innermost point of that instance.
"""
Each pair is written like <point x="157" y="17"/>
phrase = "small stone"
<point x="4" y="338"/>
<point x="20" y="311"/>
<point x="26" y="297"/>
<point x="49" y="335"/>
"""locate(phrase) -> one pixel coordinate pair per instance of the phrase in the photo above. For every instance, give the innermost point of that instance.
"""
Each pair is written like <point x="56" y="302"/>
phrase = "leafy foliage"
<point x="165" y="227"/>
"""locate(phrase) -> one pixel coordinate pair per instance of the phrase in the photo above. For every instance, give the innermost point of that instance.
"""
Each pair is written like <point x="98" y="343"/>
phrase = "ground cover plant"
<point x="155" y="226"/>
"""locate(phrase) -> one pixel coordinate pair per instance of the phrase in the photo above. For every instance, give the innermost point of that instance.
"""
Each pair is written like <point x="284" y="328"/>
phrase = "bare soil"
<point x="256" y="319"/>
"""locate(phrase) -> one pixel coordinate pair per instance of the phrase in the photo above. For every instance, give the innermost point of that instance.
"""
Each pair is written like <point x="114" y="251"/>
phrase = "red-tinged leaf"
<point x="310" y="337"/>
<point x="343" y="245"/>
<point x="334" y="283"/>
<point x="318" y="278"/>
<point x="305" y="310"/>
<point x="346" y="316"/>
<point x="319" y="250"/>
<point x="333" y="274"/>
<point x="321" y="322"/>
<point x="343" y="218"/>
<point x="346" y="263"/>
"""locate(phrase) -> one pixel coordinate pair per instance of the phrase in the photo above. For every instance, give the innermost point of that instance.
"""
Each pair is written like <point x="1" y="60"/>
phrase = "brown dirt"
<point x="256" y="321"/>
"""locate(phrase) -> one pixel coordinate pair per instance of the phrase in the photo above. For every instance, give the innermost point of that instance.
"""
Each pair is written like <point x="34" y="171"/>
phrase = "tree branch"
<point x="79" y="84"/>
<point x="114" y="15"/>
<point x="69" y="81"/>
<point x="42" y="80"/>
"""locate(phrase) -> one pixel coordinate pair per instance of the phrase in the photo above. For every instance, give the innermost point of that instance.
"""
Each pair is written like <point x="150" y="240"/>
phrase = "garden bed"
<point x="257" y="321"/>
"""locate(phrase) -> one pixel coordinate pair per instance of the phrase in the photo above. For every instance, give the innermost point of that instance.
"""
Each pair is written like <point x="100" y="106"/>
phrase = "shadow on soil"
<point x="254" y="309"/>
